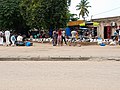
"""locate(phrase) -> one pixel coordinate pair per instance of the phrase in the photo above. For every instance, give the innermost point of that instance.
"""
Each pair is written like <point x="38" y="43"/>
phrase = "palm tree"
<point x="83" y="7"/>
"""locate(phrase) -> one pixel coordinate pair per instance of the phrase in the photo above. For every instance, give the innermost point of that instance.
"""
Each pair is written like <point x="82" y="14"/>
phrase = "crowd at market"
<point x="57" y="37"/>
<point x="76" y="37"/>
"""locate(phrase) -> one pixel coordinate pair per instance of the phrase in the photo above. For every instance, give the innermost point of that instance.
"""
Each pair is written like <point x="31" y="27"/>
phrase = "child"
<point x="13" y="40"/>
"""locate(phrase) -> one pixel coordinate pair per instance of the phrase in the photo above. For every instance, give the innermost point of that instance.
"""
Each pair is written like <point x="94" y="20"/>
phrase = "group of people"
<point x="59" y="37"/>
<point x="7" y="38"/>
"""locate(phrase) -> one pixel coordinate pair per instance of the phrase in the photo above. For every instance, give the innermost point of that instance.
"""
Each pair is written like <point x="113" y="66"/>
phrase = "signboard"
<point x="75" y="23"/>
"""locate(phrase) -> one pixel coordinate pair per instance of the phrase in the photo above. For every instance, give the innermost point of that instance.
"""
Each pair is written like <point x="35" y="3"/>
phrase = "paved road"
<point x="48" y="75"/>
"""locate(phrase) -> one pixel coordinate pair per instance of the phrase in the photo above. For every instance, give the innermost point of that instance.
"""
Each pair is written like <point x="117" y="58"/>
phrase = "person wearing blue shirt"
<point x="68" y="31"/>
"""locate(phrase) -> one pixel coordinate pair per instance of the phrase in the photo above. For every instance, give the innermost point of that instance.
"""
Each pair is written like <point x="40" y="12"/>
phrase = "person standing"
<point x="119" y="37"/>
<point x="59" y="39"/>
<point x="73" y="39"/>
<point x="68" y="32"/>
<point x="13" y="40"/>
<point x="63" y="37"/>
<point x="7" y="37"/>
<point x="1" y="38"/>
<point x="73" y="33"/>
<point x="54" y="38"/>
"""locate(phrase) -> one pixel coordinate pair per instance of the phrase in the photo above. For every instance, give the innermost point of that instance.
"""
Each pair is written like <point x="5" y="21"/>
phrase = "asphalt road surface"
<point x="59" y="75"/>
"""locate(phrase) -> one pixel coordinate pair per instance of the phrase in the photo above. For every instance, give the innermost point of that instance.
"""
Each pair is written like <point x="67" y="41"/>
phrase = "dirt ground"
<point x="47" y="50"/>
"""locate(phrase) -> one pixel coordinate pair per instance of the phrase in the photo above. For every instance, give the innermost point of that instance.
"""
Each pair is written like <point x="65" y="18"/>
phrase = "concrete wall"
<point x="107" y="22"/>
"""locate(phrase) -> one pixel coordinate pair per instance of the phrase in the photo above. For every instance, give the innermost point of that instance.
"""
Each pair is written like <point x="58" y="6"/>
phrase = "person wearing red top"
<point x="59" y="39"/>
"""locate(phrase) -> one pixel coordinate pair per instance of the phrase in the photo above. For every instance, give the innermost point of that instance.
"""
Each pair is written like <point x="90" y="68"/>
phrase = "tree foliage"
<point x="45" y="13"/>
<point x="83" y="7"/>
<point x="10" y="17"/>
<point x="73" y="17"/>
<point x="22" y="14"/>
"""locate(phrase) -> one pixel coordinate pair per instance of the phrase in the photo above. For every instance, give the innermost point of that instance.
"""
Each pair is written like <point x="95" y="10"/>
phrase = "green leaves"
<point x="10" y="17"/>
<point x="83" y="7"/>
<point x="21" y="14"/>
<point x="44" y="13"/>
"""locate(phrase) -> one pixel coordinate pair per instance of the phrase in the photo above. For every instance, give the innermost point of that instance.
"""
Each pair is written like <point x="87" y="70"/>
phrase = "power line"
<point x="106" y="11"/>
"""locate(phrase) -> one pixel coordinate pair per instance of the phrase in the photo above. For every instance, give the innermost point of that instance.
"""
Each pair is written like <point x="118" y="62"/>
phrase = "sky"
<point x="99" y="8"/>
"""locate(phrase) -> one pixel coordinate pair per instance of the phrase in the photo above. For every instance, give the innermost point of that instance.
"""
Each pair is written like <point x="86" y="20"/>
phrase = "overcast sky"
<point x="109" y="7"/>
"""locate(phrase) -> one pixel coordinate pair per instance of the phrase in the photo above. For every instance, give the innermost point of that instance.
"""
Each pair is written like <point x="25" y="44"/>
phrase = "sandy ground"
<point x="47" y="50"/>
<point x="52" y="75"/>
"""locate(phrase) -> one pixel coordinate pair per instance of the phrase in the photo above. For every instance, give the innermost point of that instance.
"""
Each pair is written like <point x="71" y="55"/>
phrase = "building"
<point x="107" y="26"/>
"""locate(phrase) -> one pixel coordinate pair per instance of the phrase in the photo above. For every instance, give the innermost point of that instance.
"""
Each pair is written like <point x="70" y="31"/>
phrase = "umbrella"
<point x="89" y="23"/>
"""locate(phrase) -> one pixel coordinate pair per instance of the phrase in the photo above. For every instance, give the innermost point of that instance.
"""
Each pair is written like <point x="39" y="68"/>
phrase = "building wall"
<point x="106" y="22"/>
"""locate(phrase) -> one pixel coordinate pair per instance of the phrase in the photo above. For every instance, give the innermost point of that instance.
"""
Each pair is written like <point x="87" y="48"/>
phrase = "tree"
<point x="45" y="13"/>
<point x="73" y="17"/>
<point x="83" y="7"/>
<point x="10" y="17"/>
<point x="20" y="15"/>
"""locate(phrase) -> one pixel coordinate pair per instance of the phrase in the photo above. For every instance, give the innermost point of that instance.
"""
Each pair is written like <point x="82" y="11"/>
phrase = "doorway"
<point x="107" y="32"/>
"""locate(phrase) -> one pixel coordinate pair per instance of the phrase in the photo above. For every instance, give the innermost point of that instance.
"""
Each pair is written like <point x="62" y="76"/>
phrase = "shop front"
<point x="107" y="26"/>
<point x="92" y="28"/>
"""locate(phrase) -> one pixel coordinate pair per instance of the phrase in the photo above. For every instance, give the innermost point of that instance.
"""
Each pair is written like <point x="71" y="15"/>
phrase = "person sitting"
<point x="20" y="41"/>
<point x="19" y="38"/>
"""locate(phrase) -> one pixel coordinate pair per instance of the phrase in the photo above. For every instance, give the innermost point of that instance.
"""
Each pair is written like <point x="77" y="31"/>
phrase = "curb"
<point x="60" y="59"/>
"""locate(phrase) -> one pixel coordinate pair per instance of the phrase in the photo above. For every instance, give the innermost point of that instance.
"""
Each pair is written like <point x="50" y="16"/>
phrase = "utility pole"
<point x="91" y="17"/>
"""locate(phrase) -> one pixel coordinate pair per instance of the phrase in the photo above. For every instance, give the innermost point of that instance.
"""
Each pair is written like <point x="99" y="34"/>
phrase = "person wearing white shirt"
<point x="63" y="37"/>
<point x="19" y="38"/>
<point x="73" y="33"/>
<point x="7" y="37"/>
<point x="20" y="41"/>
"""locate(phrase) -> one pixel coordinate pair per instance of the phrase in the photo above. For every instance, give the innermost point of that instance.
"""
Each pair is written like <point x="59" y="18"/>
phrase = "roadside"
<point x="47" y="52"/>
